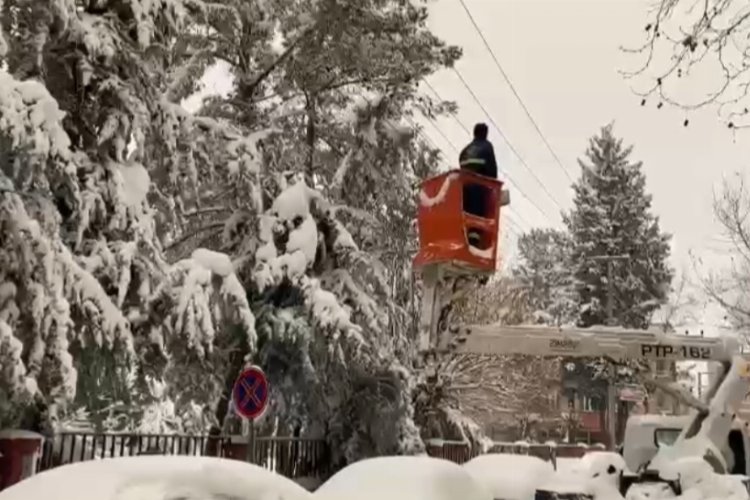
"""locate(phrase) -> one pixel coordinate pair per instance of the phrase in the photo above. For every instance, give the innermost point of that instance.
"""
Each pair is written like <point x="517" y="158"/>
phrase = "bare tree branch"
<point x="710" y="35"/>
<point x="730" y="286"/>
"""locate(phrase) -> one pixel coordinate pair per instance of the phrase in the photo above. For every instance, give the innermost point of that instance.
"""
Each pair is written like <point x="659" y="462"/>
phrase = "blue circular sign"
<point x="250" y="393"/>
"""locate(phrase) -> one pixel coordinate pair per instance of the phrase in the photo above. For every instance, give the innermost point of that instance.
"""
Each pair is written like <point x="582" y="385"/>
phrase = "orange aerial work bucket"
<point x="458" y="221"/>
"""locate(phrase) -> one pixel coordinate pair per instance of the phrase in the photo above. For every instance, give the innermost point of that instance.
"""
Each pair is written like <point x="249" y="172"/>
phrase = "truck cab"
<point x="645" y="434"/>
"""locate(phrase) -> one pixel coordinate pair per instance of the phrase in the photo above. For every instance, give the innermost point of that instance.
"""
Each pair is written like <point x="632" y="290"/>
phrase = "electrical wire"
<point x="505" y="139"/>
<point x="505" y="173"/>
<point x="515" y="92"/>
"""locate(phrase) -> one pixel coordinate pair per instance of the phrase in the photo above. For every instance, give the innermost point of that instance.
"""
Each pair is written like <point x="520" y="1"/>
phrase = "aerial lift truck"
<point x="448" y="264"/>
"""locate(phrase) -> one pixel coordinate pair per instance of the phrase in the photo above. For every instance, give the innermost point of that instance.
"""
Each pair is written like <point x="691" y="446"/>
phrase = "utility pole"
<point x="610" y="310"/>
<point x="610" y="294"/>
<point x="610" y="303"/>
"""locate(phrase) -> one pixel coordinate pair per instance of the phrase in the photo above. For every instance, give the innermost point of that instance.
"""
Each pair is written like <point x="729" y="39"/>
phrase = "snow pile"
<point x="596" y="474"/>
<point x="568" y="466"/>
<point x="697" y="480"/>
<point x="604" y="472"/>
<point x="402" y="477"/>
<point x="157" y="478"/>
<point x="510" y="477"/>
<point x="603" y="463"/>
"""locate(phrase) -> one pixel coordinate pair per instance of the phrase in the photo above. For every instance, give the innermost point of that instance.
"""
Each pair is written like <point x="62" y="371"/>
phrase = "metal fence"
<point x="461" y="452"/>
<point x="291" y="457"/>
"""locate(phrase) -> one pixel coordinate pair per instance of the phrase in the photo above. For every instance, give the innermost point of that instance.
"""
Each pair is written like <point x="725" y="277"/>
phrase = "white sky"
<point x="563" y="58"/>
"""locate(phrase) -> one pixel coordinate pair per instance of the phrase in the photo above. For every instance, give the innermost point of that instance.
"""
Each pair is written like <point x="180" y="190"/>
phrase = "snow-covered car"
<point x="399" y="478"/>
<point x="157" y="478"/>
<point x="523" y="477"/>
<point x="508" y="476"/>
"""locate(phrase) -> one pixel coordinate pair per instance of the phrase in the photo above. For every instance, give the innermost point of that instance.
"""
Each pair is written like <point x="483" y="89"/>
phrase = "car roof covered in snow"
<point x="402" y="477"/>
<point x="157" y="478"/>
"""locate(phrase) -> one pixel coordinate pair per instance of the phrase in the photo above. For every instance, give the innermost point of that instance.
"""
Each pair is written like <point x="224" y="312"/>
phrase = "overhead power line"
<point x="461" y="124"/>
<point x="507" y="142"/>
<point x="515" y="92"/>
<point x="506" y="174"/>
<point x="516" y="225"/>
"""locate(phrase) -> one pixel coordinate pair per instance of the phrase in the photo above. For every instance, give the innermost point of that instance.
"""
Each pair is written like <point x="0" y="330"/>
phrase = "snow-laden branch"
<point x="207" y="294"/>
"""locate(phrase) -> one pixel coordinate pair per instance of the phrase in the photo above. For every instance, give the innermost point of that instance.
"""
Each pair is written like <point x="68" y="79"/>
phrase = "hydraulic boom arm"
<point x="614" y="343"/>
<point x="706" y="435"/>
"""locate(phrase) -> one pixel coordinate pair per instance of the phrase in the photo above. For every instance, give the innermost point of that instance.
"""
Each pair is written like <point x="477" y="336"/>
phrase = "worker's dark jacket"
<point x="479" y="157"/>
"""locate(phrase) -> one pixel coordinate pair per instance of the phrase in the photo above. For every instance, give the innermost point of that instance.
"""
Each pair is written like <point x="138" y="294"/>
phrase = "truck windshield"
<point x="666" y="437"/>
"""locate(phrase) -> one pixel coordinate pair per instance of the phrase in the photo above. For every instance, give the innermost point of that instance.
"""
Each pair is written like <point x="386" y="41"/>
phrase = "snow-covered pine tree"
<point x="325" y="318"/>
<point x="214" y="188"/>
<point x="84" y="274"/>
<point x="612" y="224"/>
<point x="546" y="271"/>
<point x="341" y="77"/>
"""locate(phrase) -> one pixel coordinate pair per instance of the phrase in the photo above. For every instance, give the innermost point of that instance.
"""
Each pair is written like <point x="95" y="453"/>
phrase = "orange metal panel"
<point x="443" y="224"/>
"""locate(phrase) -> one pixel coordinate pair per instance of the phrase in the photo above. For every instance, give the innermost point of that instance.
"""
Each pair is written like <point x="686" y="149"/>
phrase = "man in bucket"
<point x="477" y="157"/>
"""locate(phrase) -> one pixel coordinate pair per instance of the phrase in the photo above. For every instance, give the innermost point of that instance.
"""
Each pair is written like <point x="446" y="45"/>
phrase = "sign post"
<point x="250" y="399"/>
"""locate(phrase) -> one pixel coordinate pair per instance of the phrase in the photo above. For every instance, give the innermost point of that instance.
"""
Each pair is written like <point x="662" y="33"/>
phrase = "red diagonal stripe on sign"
<point x="250" y="393"/>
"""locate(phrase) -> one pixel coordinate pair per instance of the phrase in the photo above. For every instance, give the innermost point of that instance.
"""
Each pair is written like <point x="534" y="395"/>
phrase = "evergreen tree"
<point x="91" y="135"/>
<point x="611" y="224"/>
<point x="544" y="270"/>
<point x="151" y="251"/>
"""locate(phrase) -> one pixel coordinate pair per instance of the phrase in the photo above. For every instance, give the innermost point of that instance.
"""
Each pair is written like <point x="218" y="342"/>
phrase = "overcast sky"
<point x="563" y="58"/>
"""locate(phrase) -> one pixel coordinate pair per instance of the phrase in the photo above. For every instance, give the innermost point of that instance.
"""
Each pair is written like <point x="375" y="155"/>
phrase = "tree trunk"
<point x="310" y="138"/>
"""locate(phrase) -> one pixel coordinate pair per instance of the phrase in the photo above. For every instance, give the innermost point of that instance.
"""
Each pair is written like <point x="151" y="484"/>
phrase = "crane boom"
<point x="447" y="261"/>
<point x="706" y="434"/>
<point x="614" y="343"/>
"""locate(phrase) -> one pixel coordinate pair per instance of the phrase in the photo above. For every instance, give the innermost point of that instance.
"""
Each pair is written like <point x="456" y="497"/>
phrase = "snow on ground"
<point x="510" y="477"/>
<point x="697" y="481"/>
<point x="596" y="475"/>
<point x="402" y="478"/>
<point x="157" y="478"/>
<point x="568" y="465"/>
